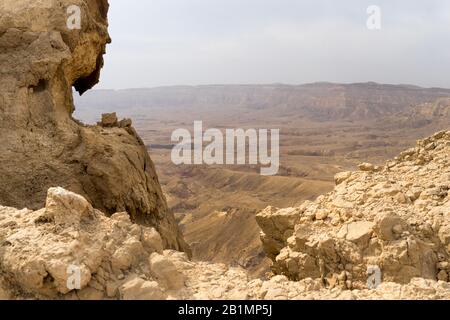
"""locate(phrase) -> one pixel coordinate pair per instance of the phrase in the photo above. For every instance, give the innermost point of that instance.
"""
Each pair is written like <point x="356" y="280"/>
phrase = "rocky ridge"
<point x="69" y="250"/>
<point x="395" y="218"/>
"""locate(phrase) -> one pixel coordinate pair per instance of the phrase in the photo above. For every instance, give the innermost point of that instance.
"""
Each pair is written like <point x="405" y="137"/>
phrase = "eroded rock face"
<point x="41" y="145"/>
<point x="41" y="250"/>
<point x="69" y="250"/>
<point x="394" y="217"/>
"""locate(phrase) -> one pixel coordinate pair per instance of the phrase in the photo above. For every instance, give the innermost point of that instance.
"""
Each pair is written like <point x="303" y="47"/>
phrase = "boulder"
<point x="388" y="226"/>
<point x="166" y="272"/>
<point x="277" y="226"/>
<point x="444" y="235"/>
<point x="65" y="207"/>
<point x="359" y="232"/>
<point x="369" y="167"/>
<point x="109" y="120"/>
<point x="341" y="177"/>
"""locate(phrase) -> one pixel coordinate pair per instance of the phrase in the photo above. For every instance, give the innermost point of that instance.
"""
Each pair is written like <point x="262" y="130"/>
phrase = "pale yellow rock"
<point x="393" y="217"/>
<point x="444" y="234"/>
<point x="166" y="272"/>
<point x="139" y="289"/>
<point x="360" y="232"/>
<point x="386" y="224"/>
<point x="401" y="198"/>
<point x="152" y="240"/>
<point x="66" y="207"/>
<point x="61" y="273"/>
<point x="442" y="276"/>
<point x="368" y="167"/>
<point x="341" y="177"/>
<point x="112" y="289"/>
<point x="121" y="259"/>
<point x="321" y="214"/>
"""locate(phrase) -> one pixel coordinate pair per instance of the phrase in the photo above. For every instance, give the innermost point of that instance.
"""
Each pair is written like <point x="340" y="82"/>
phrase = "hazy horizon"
<point x="200" y="42"/>
<point x="98" y="88"/>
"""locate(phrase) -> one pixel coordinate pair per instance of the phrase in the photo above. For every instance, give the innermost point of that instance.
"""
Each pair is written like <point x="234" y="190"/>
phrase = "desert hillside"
<point x="324" y="129"/>
<point x="392" y="217"/>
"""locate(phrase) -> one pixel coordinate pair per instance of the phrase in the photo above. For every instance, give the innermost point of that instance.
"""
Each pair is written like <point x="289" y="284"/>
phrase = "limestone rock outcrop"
<point x="41" y="145"/>
<point x="394" y="218"/>
<point x="43" y="252"/>
<point x="69" y="250"/>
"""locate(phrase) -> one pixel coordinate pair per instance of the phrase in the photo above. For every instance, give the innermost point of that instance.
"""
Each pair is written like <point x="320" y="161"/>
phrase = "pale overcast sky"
<point x="193" y="42"/>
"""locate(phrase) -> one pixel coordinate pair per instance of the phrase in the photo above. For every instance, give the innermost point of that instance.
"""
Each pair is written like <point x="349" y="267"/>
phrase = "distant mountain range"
<point x="316" y="101"/>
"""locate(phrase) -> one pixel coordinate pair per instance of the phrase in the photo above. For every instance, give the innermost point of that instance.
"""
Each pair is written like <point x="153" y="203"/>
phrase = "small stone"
<point x="218" y="293"/>
<point x="385" y="226"/>
<point x="341" y="177"/>
<point x="321" y="214"/>
<point x="139" y="289"/>
<point x="349" y="284"/>
<point x="279" y="279"/>
<point x="66" y="208"/>
<point x="238" y="296"/>
<point x="368" y="167"/>
<point x="111" y="289"/>
<point x="442" y="276"/>
<point x="125" y="123"/>
<point x="166" y="272"/>
<point x="121" y="259"/>
<point x="360" y="232"/>
<point x="109" y="120"/>
<point x="151" y="240"/>
<point x="401" y="198"/>
<point x="397" y="229"/>
<point x="444" y="235"/>
<point x="444" y="265"/>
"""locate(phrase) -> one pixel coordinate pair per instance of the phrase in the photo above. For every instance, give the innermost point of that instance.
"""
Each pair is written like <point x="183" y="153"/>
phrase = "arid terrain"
<point x="324" y="129"/>
<point x="86" y="214"/>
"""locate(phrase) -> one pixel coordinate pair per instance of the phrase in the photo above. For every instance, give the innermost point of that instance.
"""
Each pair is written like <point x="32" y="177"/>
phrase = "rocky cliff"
<point x="41" y="145"/>
<point x="395" y="218"/>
